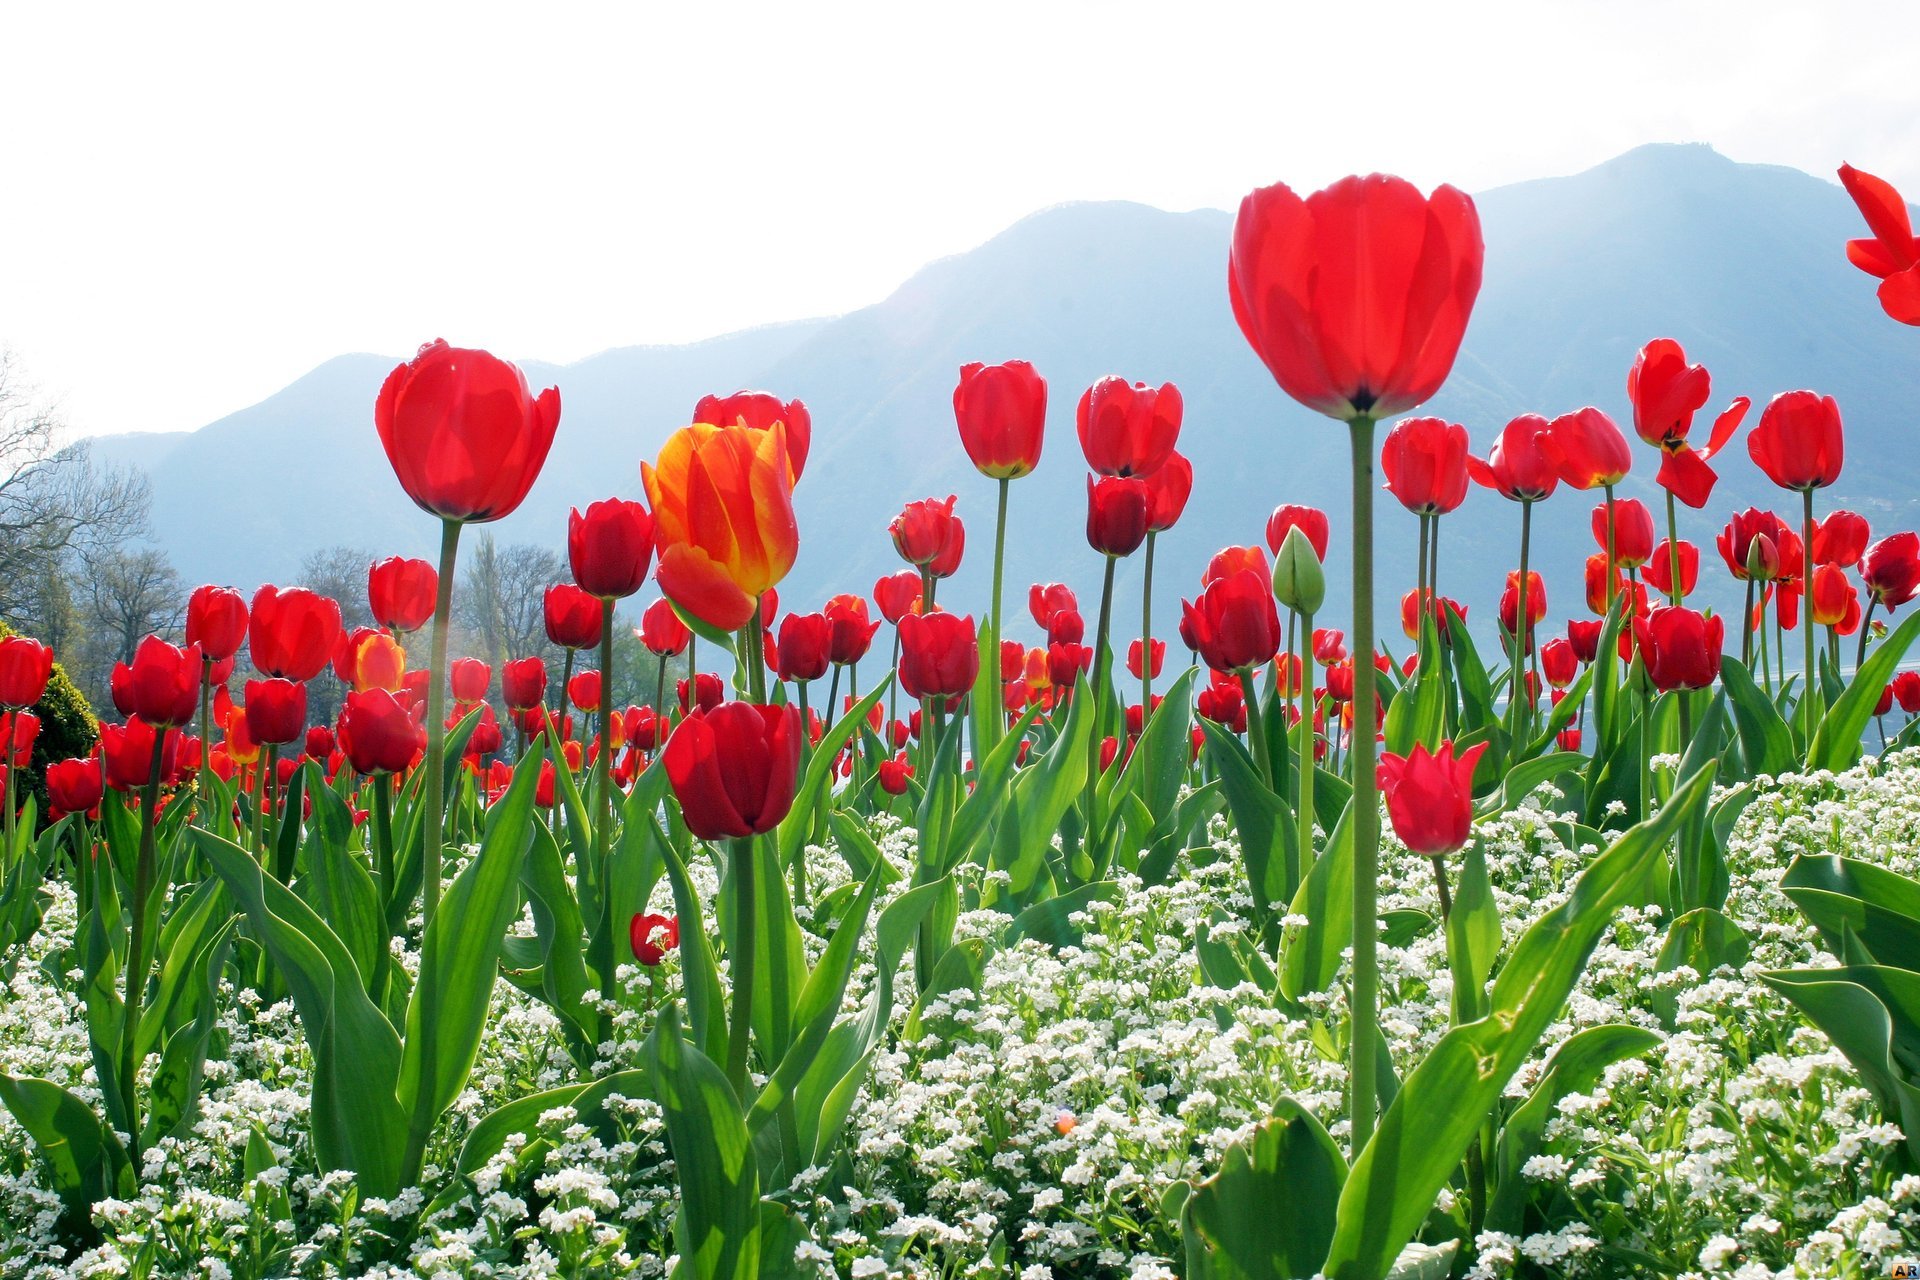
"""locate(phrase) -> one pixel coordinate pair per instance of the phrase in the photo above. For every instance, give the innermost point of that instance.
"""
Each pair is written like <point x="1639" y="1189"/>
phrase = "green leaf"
<point x="84" y="1160"/>
<point x="1050" y="919"/>
<point x="699" y="972"/>
<point x="1872" y="1014"/>
<point x="1269" y="1212"/>
<point x="1847" y="899"/>
<point x="1473" y="935"/>
<point x="1041" y="796"/>
<point x="817" y="778"/>
<point x="1765" y="739"/>
<point x="1525" y="778"/>
<point x="1263" y="819"/>
<point x="1836" y="743"/>
<point x="1310" y="952"/>
<point x="717" y="1230"/>
<point x="564" y="982"/>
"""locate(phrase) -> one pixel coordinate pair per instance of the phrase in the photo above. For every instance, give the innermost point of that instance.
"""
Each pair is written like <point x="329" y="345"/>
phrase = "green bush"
<point x="68" y="728"/>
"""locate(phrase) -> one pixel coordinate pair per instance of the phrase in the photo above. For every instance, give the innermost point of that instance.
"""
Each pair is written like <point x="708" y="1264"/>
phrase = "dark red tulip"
<point x="1425" y="462"/>
<point x="400" y="593"/>
<point x="708" y="692"/>
<point x="806" y="641"/>
<point x="1906" y="690"/>
<point x="1736" y="544"/>
<point x="1517" y="467"/>
<point x="1632" y="532"/>
<point x="583" y="691"/>
<point x="610" y="547"/>
<point x="923" y="530"/>
<point x="1680" y="647"/>
<point x="1117" y="514"/>
<point x="662" y="631"/>
<point x="291" y="634"/>
<point x="898" y="594"/>
<point x="760" y="410"/>
<point x="75" y="786"/>
<point x="127" y="751"/>
<point x="1223" y="702"/>
<point x="1799" y="441"/>
<point x="1170" y="486"/>
<point x="1840" y="539"/>
<point x="1585" y="639"/>
<point x="463" y="434"/>
<point x="1066" y="663"/>
<point x="1891" y="569"/>
<point x="652" y="936"/>
<point x="572" y="616"/>
<point x="523" y="683"/>
<point x="1430" y="796"/>
<point x="1158" y="655"/>
<point x="1310" y="521"/>
<point x="276" y="711"/>
<point x="1128" y="429"/>
<point x="469" y="678"/>
<point x="1558" y="662"/>
<point x="1044" y="600"/>
<point x="1666" y="392"/>
<point x="1233" y="625"/>
<point x="1002" y="413"/>
<point x="1659" y="570"/>
<point x="162" y="686"/>
<point x="216" y="621"/>
<point x="319" y="742"/>
<point x="1892" y="255"/>
<point x="1356" y="297"/>
<point x="378" y="734"/>
<point x="1586" y="447"/>
<point x="851" y="627"/>
<point x="894" y="775"/>
<point x="734" y="768"/>
<point x="25" y="667"/>
<point x="939" y="655"/>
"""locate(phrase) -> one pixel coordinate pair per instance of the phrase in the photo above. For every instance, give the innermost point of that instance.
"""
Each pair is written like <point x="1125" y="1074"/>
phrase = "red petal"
<point x="1900" y="296"/>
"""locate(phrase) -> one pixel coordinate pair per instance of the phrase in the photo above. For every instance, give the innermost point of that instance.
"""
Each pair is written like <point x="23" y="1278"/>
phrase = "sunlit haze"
<point x="203" y="205"/>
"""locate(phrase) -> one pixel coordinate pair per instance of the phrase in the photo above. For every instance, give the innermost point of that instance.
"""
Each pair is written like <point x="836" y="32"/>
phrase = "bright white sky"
<point x="200" y="206"/>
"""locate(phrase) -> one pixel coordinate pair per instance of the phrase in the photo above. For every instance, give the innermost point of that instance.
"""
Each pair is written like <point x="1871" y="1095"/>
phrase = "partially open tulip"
<point x="1116" y="514"/>
<point x="1356" y="297"/>
<point x="162" y="684"/>
<point x="378" y="734"/>
<point x="1517" y="467"/>
<point x="572" y="616"/>
<point x="464" y="435"/>
<point x="898" y="595"/>
<point x="652" y="936"/>
<point x="924" y="529"/>
<point x="127" y="752"/>
<point x="1169" y="488"/>
<point x="894" y="774"/>
<point x="1585" y="639"/>
<point x="291" y="634"/>
<point x="469" y="679"/>
<point x="1430" y="796"/>
<point x="610" y="547"/>
<point x="723" y="519"/>
<point x="276" y="711"/>
<point x="1510" y="600"/>
<point x="217" y="621"/>
<point x="662" y="631"/>
<point x="584" y="690"/>
<point x="1632" y="531"/>
<point x="1659" y="571"/>
<point x="75" y="786"/>
<point x="734" y="768"/>
<point x="1600" y="593"/>
<point x="1311" y="521"/>
<point x="1906" y="691"/>
<point x="1891" y="569"/>
<point x="1425" y="462"/>
<point x="523" y="683"/>
<point x="761" y="411"/>
<point x="1044" y="600"/>
<point x="804" y="647"/>
<point x="1666" y="392"/>
<point x="401" y="592"/>
<point x="1066" y="626"/>
<point x="1833" y="596"/>
<point x="1588" y="449"/>
<point x="25" y="667"/>
<point x="376" y="661"/>
<point x="1840" y="539"/>
<point x="1892" y="255"/>
<point x="1233" y="625"/>
<point x="1681" y="648"/>
<point x="1558" y="662"/>
<point x="851" y="629"/>
<point x="1002" y="413"/>
<point x="939" y="655"/>
<point x="1751" y="543"/>
<point x="1799" y="441"/>
<point x="1157" y="656"/>
<point x="1128" y="429"/>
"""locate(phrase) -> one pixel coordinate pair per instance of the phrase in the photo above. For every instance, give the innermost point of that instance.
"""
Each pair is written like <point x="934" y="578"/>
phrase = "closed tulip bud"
<point x="75" y="786"/>
<point x="584" y="691"/>
<point x="850" y="629"/>
<point x="400" y="593"/>
<point x="378" y="734"/>
<point x="1044" y="600"/>
<point x="923" y="529"/>
<point x="898" y="595"/>
<point x="1891" y="569"/>
<point x="216" y="621"/>
<point x="939" y="655"/>
<point x="23" y="729"/>
<point x="1311" y="521"/>
<point x="1559" y="663"/>
<point x="1430" y="796"/>
<point x="894" y="775"/>
<point x="319" y="742"/>
<point x="276" y="711"/>
<point x="465" y="437"/>
<point x="1233" y="625"/>
<point x="1585" y="639"/>
<point x="470" y="678"/>
<point x="1066" y="627"/>
<point x="734" y="768"/>
<point x="1510" y="601"/>
<point x="1340" y="681"/>
<point x="25" y="667"/>
<point x="804" y="646"/>
<point x="1587" y="449"/>
<point x="1798" y="441"/>
<point x="1681" y="648"/>
<point x="1299" y="581"/>
<point x="652" y="936"/>
<point x="1128" y="429"/>
<point x="162" y="685"/>
<point x="1223" y="702"/>
<point x="610" y="547"/>
<point x="1002" y="413"/>
<point x="291" y="634"/>
<point x="1169" y="487"/>
<point x="1157" y="655"/>
<point x="1632" y="531"/>
<point x="1425" y="461"/>
<point x="1659" y="572"/>
<point x="523" y="683"/>
<point x="1116" y="514"/>
<point x="572" y="616"/>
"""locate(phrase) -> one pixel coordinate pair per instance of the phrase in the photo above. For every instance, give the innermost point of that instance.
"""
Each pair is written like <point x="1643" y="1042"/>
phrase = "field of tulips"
<point x="1515" y="955"/>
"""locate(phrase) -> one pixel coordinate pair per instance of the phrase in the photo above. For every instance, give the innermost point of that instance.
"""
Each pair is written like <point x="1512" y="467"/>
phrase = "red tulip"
<point x="1310" y="521"/>
<point x="1425" y="461"/>
<point x="806" y="640"/>
<point x="652" y="936"/>
<point x="572" y="616"/>
<point x="1832" y="595"/>
<point x="1680" y="647"/>
<point x="1128" y="429"/>
<point x="127" y="751"/>
<point x="1233" y="625"/>
<point x="1443" y="609"/>
<point x="401" y="593"/>
<point x="1044" y="600"/>
<point x="1169" y="488"/>
<point x="1558" y="662"/>
<point x="1231" y="560"/>
<point x="1510" y="600"/>
<point x="1588" y="449"/>
<point x="1357" y="296"/>
<point x="74" y="786"/>
<point x="939" y="655"/>
<point x="1736" y="544"/>
<point x="25" y="667"/>
<point x="1158" y="656"/>
<point x="734" y="768"/>
<point x="1840" y="539"/>
<point x="319" y="743"/>
<point x="708" y="692"/>
<point x="292" y="633"/>
<point x="662" y="632"/>
<point x="463" y="434"/>
<point x="162" y="685"/>
<point x="469" y="678"/>
<point x="1666" y="392"/>
<point x="898" y="594"/>
<point x="1223" y="702"/>
<point x="947" y="563"/>
<point x="924" y="529"/>
<point x="1430" y="796"/>
<point x="1066" y="627"/>
<point x="1799" y="442"/>
<point x="1585" y="639"/>
<point x="1632" y="531"/>
<point x="1598" y="597"/>
<point x="276" y="711"/>
<point x="1002" y="413"/>
<point x="216" y="621"/>
<point x="1517" y="467"/>
<point x="1893" y="254"/>
<point x="1329" y="646"/>
<point x="1659" y="572"/>
<point x="378" y="734"/>
<point x="1891" y="570"/>
<point x="851" y="630"/>
<point x="1116" y="514"/>
<point x="760" y="411"/>
<point x="1066" y="663"/>
<point x="610" y="547"/>
<point x="1906" y="690"/>
<point x="894" y="774"/>
<point x="523" y="683"/>
<point x="583" y="690"/>
<point x="22" y="731"/>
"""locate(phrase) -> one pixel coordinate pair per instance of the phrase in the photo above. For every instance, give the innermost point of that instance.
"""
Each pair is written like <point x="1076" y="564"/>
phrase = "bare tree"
<point x="127" y="593"/>
<point x="499" y="603"/>
<point x="340" y="572"/>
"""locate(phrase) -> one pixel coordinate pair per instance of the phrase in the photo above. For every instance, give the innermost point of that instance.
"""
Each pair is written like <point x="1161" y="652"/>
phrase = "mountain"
<point x="1741" y="263"/>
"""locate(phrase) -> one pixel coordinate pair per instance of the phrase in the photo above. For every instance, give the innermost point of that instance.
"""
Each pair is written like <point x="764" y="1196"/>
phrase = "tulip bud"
<point x="1299" y="581"/>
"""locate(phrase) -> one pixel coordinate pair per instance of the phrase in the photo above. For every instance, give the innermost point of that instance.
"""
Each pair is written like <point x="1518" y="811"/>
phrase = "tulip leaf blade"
<point x="84" y="1159"/>
<point x="1269" y="1212"/>
<point x="717" y="1229"/>
<point x="1836" y="742"/>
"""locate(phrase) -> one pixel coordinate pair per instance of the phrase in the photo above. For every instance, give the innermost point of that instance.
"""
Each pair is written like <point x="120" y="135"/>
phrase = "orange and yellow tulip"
<point x="723" y="519"/>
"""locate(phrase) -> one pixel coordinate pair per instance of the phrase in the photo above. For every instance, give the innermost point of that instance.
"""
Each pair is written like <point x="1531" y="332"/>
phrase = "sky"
<point x="203" y="202"/>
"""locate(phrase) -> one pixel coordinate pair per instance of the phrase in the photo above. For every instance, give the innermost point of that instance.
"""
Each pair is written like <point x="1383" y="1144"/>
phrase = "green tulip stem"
<point x="605" y="947"/>
<point x="1866" y="616"/>
<point x="7" y="855"/>
<point x="436" y="717"/>
<point x="659" y="694"/>
<point x="997" y="721"/>
<point x="145" y="870"/>
<point x="740" y="964"/>
<point x="1100" y="669"/>
<point x="1812" y="691"/>
<point x="1673" y="551"/>
<point x="383" y="841"/>
<point x="806" y="752"/>
<point x="1746" y="628"/>
<point x="1256" y="729"/>
<point x="206" y="721"/>
<point x="1303" y="781"/>
<point x="1366" y="797"/>
<point x="1522" y="627"/>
